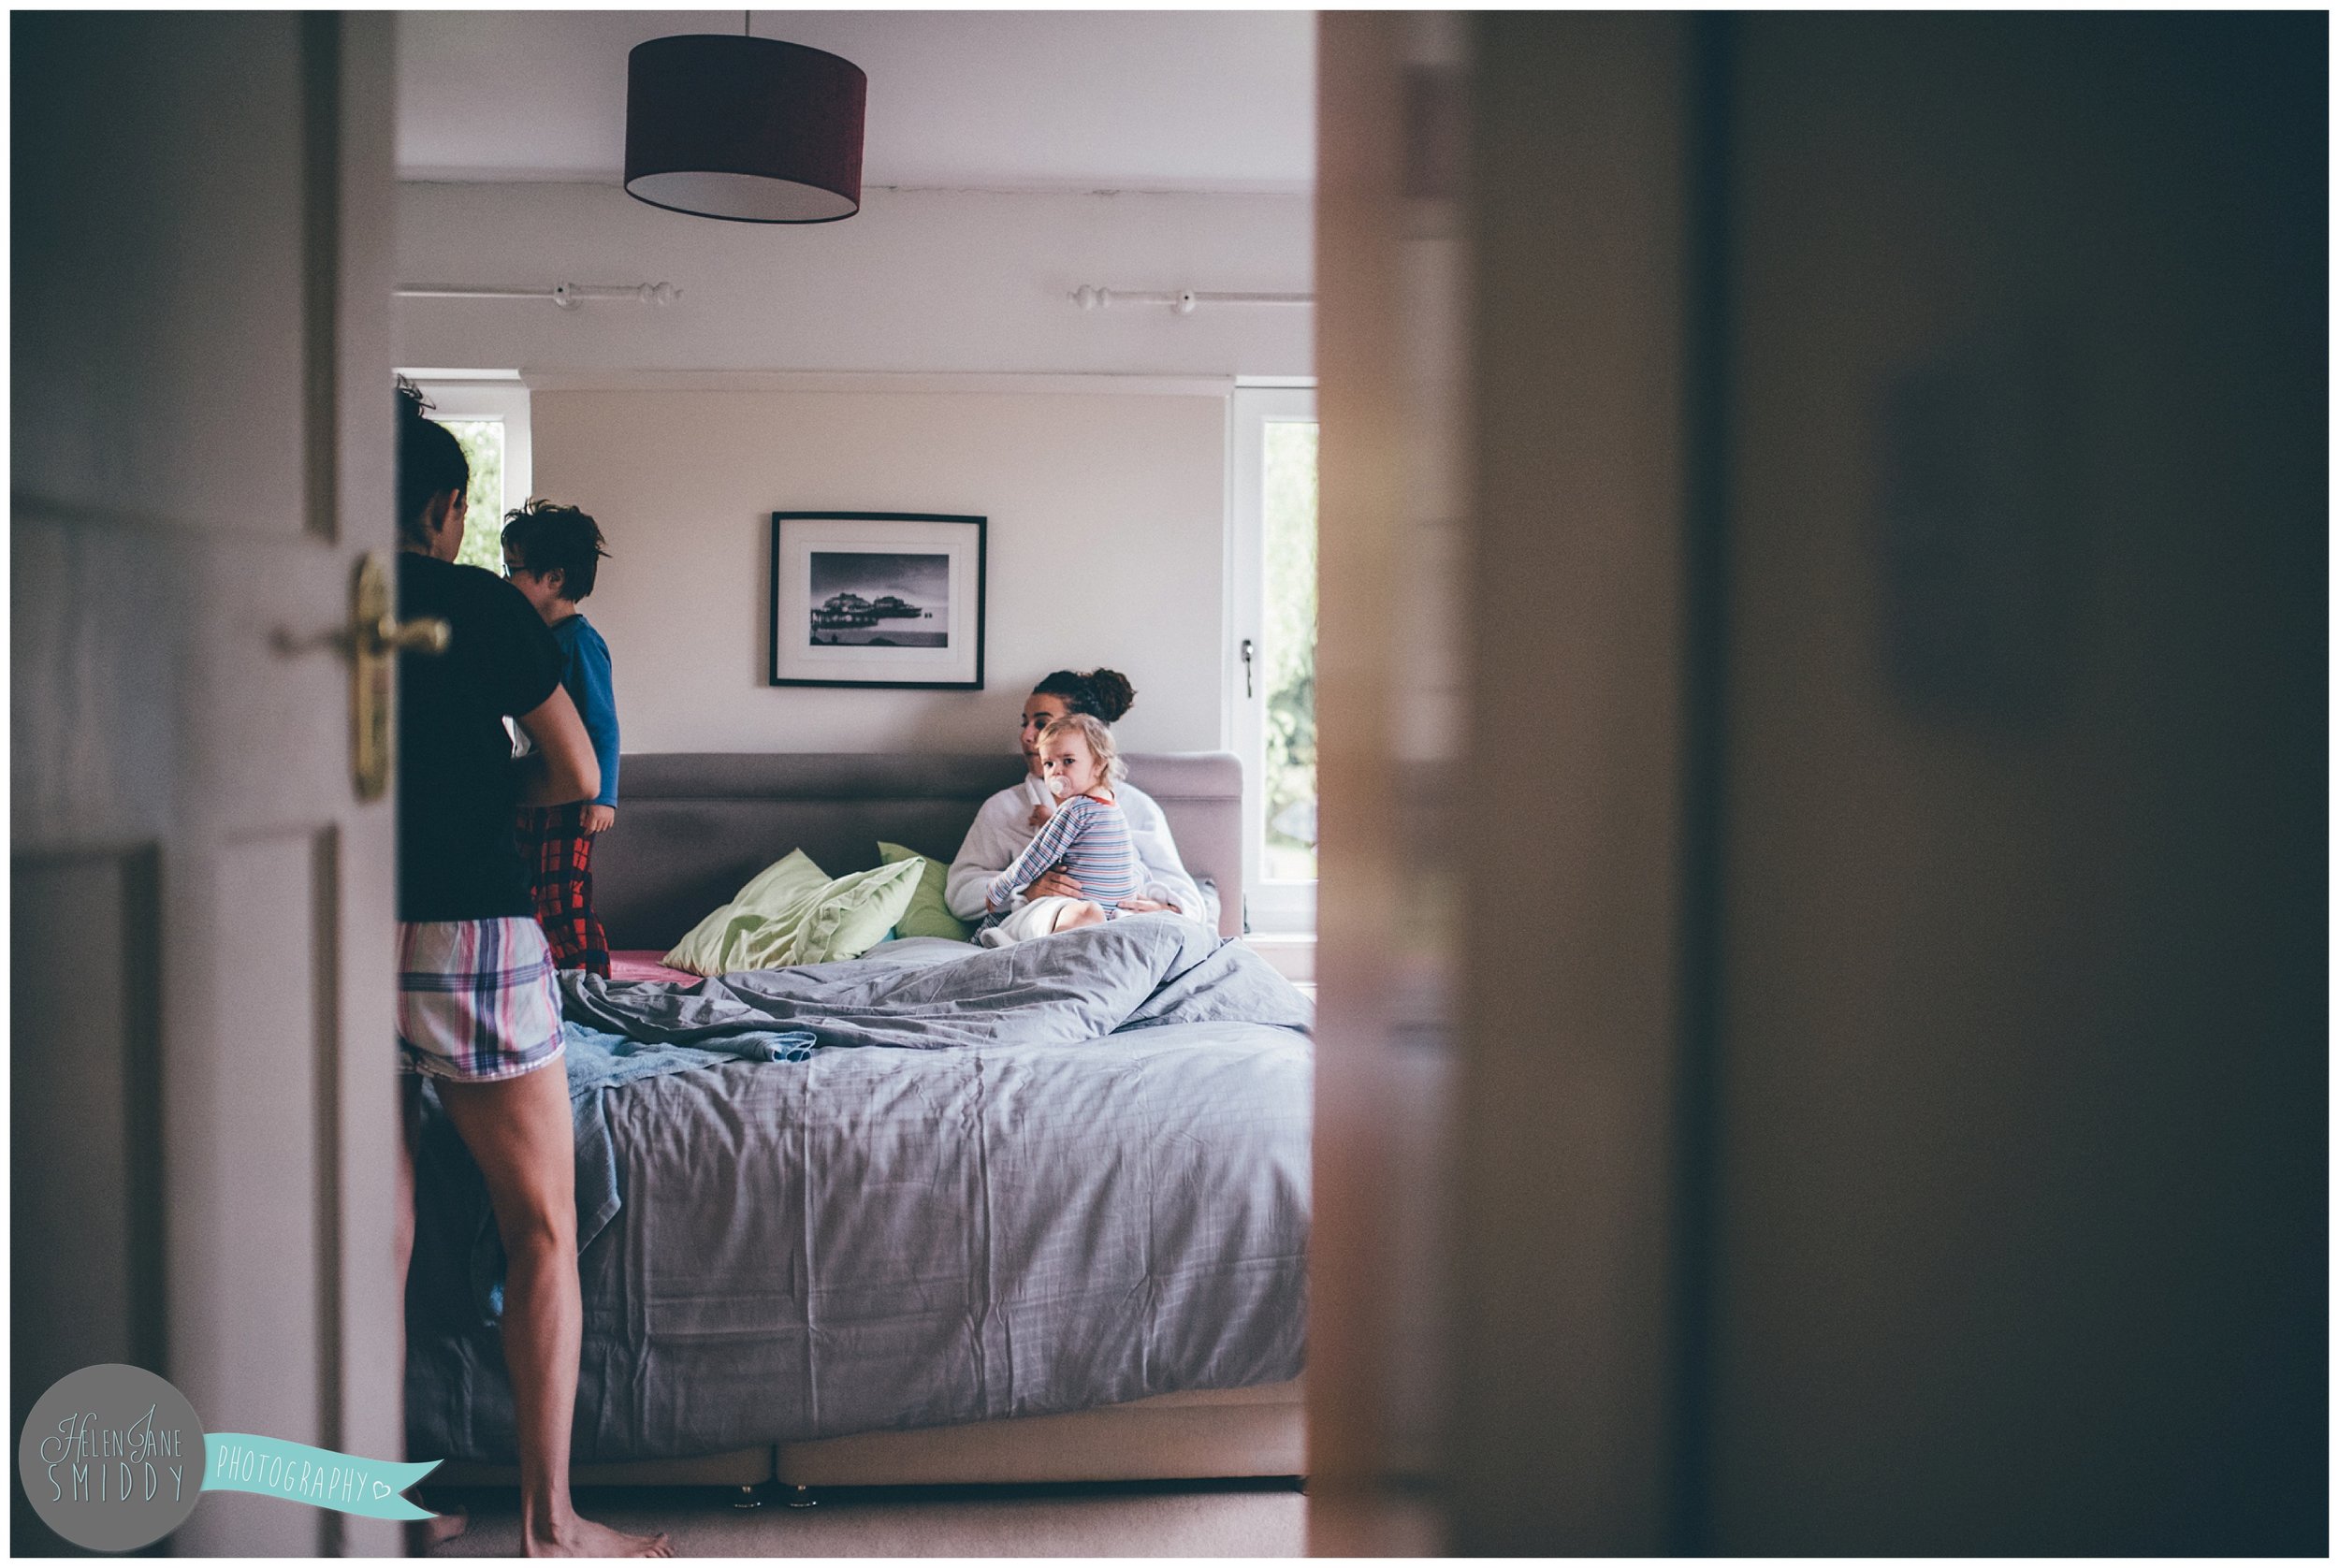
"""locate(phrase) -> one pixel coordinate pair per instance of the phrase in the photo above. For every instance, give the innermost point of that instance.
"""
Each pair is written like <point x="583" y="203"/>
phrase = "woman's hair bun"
<point x="411" y="401"/>
<point x="1109" y="693"/>
<point x="1105" y="694"/>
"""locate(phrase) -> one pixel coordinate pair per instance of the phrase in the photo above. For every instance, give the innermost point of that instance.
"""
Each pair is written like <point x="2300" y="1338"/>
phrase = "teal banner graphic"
<point x="241" y="1462"/>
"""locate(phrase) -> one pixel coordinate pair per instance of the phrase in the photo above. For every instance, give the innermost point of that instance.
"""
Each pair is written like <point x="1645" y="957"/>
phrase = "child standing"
<point x="553" y="553"/>
<point x="1086" y="835"/>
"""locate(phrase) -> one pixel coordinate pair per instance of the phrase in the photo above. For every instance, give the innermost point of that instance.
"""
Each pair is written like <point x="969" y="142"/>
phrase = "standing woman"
<point x="1009" y="819"/>
<point x="478" y="1006"/>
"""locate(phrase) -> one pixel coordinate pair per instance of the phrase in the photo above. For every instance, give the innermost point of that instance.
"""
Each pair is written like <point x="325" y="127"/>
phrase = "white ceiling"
<point x="980" y="100"/>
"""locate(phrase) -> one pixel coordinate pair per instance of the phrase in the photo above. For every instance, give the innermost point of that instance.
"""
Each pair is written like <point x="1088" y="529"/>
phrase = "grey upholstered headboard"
<point x="694" y="827"/>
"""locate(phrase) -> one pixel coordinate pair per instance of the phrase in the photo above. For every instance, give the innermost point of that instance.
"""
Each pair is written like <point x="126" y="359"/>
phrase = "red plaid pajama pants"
<point x="559" y="853"/>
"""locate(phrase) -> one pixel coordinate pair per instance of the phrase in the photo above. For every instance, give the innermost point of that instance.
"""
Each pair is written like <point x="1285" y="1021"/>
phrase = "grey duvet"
<point x="1017" y="1182"/>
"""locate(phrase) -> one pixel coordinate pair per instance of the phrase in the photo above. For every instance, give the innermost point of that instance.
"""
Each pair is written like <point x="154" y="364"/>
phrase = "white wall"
<point x="1107" y="509"/>
<point x="1106" y="546"/>
<point x="922" y="280"/>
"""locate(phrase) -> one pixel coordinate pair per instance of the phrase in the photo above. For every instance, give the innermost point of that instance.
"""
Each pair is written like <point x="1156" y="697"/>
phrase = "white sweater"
<point x="1003" y="827"/>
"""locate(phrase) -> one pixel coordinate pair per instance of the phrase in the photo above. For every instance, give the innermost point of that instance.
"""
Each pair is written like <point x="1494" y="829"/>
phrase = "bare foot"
<point x="423" y="1535"/>
<point x="584" y="1538"/>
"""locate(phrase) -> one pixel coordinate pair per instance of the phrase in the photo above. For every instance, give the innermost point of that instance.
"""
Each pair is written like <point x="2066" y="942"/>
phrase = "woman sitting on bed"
<point x="1087" y="839"/>
<point x="1009" y="819"/>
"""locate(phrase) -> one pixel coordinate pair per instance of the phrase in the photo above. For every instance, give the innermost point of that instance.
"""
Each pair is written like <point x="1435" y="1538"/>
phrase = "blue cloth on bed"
<point x="597" y="1061"/>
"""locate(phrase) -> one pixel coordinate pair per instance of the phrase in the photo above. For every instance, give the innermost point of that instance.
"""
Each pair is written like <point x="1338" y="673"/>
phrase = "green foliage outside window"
<point x="1288" y="525"/>
<point x="482" y="440"/>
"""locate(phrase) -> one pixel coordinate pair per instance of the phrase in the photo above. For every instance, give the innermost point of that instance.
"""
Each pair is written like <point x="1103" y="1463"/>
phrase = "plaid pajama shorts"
<point x="558" y="853"/>
<point x="477" y="1000"/>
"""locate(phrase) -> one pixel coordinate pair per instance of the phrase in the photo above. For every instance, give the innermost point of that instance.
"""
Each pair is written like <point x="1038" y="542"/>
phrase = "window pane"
<point x="1288" y="631"/>
<point x="482" y="440"/>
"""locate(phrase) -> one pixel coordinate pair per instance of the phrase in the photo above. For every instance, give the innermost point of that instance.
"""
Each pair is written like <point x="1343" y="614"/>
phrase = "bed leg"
<point x="748" y="1496"/>
<point x="803" y="1497"/>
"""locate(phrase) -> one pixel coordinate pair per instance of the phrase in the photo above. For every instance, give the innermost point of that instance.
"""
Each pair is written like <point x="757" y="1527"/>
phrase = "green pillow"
<point x="793" y="913"/>
<point x="929" y="913"/>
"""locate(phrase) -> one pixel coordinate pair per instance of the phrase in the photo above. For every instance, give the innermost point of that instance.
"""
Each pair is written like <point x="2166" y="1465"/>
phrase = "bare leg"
<point x="1071" y="917"/>
<point x="519" y="1132"/>
<point x="421" y="1534"/>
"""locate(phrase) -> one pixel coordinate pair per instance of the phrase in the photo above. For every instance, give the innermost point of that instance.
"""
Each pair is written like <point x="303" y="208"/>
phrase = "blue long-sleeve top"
<point x="585" y="671"/>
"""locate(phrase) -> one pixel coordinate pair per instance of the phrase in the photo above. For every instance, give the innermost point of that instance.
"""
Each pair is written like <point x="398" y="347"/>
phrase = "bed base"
<point x="1215" y="1435"/>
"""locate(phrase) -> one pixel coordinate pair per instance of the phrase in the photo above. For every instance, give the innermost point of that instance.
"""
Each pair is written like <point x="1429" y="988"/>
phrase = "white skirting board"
<point x="1293" y="955"/>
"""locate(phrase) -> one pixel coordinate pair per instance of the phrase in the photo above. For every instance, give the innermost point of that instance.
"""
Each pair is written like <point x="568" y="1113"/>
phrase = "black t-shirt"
<point x="458" y="787"/>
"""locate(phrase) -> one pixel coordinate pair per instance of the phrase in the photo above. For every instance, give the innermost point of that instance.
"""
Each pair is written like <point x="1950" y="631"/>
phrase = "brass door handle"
<point x="387" y="634"/>
<point x="376" y="636"/>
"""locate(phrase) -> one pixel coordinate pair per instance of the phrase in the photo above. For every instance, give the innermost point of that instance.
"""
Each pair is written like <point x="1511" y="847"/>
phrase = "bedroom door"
<point x="203" y="1093"/>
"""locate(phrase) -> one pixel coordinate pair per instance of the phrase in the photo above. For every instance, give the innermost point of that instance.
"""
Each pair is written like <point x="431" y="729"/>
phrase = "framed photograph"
<point x="876" y="599"/>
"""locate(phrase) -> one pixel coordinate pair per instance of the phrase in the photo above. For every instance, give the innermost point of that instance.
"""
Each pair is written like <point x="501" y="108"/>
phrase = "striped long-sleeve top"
<point x="1091" y="837"/>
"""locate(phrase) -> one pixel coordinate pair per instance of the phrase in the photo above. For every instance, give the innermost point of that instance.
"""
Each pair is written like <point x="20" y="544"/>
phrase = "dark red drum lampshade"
<point x="752" y="129"/>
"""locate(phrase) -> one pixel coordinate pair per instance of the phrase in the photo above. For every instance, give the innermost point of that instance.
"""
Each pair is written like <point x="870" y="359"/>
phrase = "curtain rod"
<point x="566" y="296"/>
<point x="1184" y="300"/>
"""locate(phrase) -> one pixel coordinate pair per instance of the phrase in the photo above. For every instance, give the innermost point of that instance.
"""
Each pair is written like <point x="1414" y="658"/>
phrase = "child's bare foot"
<point x="582" y="1537"/>
<point x="436" y="1531"/>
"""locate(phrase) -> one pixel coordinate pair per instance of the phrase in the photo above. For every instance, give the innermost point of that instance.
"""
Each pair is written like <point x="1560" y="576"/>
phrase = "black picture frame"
<point x="798" y="659"/>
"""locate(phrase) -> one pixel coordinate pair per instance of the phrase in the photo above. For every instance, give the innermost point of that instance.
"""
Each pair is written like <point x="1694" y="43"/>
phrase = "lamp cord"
<point x="742" y="25"/>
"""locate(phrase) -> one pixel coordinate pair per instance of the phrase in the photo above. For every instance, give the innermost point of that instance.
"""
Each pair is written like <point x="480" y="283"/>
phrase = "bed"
<point x="1066" y="1245"/>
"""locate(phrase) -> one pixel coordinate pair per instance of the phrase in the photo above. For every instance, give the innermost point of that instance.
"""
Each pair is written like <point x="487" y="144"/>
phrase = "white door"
<point x="201" y="1068"/>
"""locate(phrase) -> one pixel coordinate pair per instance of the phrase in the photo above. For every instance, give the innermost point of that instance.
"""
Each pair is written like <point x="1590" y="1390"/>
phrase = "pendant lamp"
<point x="749" y="129"/>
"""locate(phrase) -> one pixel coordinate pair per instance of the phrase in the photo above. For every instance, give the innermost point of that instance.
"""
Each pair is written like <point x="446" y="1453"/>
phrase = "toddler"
<point x="553" y="553"/>
<point x="1086" y="834"/>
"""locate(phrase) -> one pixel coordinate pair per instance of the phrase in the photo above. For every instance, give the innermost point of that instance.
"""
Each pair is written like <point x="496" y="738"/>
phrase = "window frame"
<point x="488" y="394"/>
<point x="1281" y="906"/>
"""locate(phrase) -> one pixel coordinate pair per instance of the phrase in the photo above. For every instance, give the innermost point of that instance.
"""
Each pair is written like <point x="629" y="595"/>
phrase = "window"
<point x="487" y="411"/>
<point x="1273" y="674"/>
<point x="1287" y="649"/>
<point x="482" y="440"/>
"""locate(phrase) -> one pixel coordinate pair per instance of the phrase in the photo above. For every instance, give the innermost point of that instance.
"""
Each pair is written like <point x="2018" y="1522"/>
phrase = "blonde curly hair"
<point x="1097" y="733"/>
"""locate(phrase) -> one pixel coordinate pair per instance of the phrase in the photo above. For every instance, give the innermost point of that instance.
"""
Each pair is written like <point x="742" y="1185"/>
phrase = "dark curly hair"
<point x="1105" y="694"/>
<point x="430" y="461"/>
<point x="545" y="536"/>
